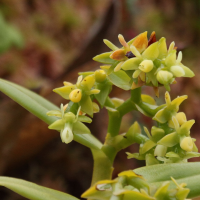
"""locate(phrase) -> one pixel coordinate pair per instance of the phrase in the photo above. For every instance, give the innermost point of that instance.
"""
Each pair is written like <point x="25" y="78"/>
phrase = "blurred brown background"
<point x="44" y="42"/>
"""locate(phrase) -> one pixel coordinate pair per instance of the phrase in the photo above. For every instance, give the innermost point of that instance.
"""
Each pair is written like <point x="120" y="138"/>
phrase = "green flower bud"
<point x="181" y="118"/>
<point x="164" y="77"/>
<point x="100" y="75"/>
<point x="75" y="95"/>
<point x="177" y="71"/>
<point x="146" y="66"/>
<point x="95" y="107"/>
<point x="187" y="144"/>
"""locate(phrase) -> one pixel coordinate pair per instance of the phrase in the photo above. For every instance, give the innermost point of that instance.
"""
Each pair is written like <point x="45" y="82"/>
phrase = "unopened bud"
<point x="187" y="144"/>
<point x="146" y="66"/>
<point x="177" y="71"/>
<point x="100" y="75"/>
<point x="95" y="107"/>
<point x="181" y="117"/>
<point x="164" y="77"/>
<point x="160" y="150"/>
<point x="75" y="95"/>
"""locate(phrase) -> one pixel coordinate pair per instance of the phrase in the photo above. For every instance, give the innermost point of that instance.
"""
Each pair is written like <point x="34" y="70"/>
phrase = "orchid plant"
<point x="165" y="148"/>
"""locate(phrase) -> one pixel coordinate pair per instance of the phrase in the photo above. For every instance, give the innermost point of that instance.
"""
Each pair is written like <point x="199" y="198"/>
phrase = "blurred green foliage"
<point x="9" y="36"/>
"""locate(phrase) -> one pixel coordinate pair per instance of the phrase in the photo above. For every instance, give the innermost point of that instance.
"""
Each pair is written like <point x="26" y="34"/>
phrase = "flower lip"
<point x="129" y="54"/>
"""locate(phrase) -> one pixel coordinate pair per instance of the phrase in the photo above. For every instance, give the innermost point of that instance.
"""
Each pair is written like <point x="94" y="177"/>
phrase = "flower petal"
<point x="147" y="146"/>
<point x="119" y="55"/>
<point x="171" y="59"/>
<point x="152" y="52"/>
<point x="64" y="91"/>
<point x="141" y="42"/>
<point x="188" y="72"/>
<point x="162" y="47"/>
<point x="162" y="116"/>
<point x="57" y="125"/>
<point x="131" y="64"/>
<point x="176" y="102"/>
<point x="169" y="140"/>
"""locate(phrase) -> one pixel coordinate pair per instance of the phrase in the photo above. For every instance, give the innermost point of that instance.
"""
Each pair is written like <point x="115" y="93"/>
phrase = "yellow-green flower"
<point x="68" y="124"/>
<point x="165" y="114"/>
<point x="80" y="92"/>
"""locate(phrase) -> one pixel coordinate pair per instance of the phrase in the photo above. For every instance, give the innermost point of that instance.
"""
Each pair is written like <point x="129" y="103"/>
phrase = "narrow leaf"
<point x="33" y="191"/>
<point x="188" y="173"/>
<point x="31" y="102"/>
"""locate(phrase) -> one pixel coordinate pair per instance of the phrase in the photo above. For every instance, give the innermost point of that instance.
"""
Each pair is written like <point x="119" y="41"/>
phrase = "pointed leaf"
<point x="188" y="173"/>
<point x="33" y="191"/>
<point x="162" y="47"/>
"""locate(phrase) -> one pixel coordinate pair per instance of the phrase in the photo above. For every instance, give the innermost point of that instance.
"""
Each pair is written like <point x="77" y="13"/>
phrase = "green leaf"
<point x="28" y="101"/>
<point x="104" y="58"/>
<point x="39" y="106"/>
<point x="33" y="191"/>
<point x="105" y="89"/>
<point x="188" y="173"/>
<point x="120" y="79"/>
<point x="44" y="102"/>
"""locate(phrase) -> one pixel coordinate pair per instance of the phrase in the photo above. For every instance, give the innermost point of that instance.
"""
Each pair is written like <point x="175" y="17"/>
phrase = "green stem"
<point x="114" y="123"/>
<point x="102" y="169"/>
<point x="126" y="107"/>
<point x="136" y="95"/>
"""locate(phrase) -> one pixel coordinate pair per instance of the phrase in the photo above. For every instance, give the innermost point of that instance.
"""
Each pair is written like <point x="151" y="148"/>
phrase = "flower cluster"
<point x="129" y="185"/>
<point x="170" y="142"/>
<point x="149" y="61"/>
